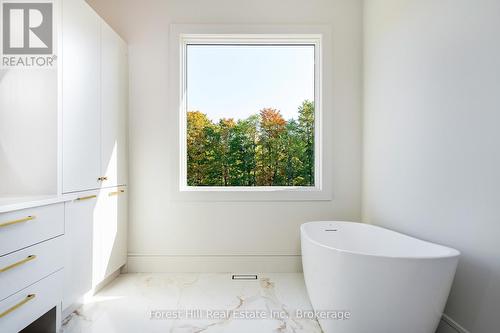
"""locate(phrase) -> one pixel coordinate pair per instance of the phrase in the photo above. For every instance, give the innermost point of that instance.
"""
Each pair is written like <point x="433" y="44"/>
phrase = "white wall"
<point x="28" y="132"/>
<point x="261" y="234"/>
<point x="432" y="138"/>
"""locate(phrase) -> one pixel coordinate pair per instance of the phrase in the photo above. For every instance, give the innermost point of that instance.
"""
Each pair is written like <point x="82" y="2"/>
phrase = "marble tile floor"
<point x="192" y="303"/>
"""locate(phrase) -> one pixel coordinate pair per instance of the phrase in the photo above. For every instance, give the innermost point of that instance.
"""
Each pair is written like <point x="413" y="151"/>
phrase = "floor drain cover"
<point x="244" y="277"/>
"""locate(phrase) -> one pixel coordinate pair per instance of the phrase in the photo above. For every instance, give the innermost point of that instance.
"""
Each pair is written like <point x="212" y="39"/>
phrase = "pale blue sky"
<point x="235" y="81"/>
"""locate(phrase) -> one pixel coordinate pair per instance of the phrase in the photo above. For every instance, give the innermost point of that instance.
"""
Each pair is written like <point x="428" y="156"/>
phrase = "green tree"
<point x="272" y="126"/>
<point x="243" y="152"/>
<point x="295" y="148"/>
<point x="197" y="124"/>
<point x="262" y="150"/>
<point x="306" y="124"/>
<point x="226" y="129"/>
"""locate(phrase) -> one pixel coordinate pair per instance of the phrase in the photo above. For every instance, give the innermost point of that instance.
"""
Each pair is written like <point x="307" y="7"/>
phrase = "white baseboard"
<point x="453" y="324"/>
<point x="213" y="264"/>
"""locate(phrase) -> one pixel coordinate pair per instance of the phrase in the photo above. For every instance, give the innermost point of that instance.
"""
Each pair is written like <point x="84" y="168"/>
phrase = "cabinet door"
<point x="114" y="107"/>
<point x="120" y="255"/>
<point x="111" y="232"/>
<point x="80" y="97"/>
<point x="79" y="252"/>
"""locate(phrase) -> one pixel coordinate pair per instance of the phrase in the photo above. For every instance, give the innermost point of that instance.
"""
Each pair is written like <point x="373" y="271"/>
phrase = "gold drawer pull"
<point x="116" y="193"/>
<point x="19" y="263"/>
<point x="18" y="305"/>
<point x="87" y="198"/>
<point x="26" y="219"/>
<point x="101" y="179"/>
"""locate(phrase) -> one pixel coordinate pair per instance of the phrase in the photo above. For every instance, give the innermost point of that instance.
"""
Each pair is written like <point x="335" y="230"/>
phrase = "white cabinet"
<point x="29" y="265"/>
<point x="25" y="227"/>
<point x="94" y="103"/>
<point x="79" y="234"/>
<point x="28" y="304"/>
<point x="81" y="120"/>
<point x="120" y="252"/>
<point x="94" y="149"/>
<point x="31" y="261"/>
<point x="114" y="106"/>
<point x="96" y="241"/>
<point x="89" y="233"/>
<point x="110" y="240"/>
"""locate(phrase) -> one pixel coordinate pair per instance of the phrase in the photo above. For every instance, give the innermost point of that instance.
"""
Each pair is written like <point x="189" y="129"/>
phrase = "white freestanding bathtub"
<point x="386" y="281"/>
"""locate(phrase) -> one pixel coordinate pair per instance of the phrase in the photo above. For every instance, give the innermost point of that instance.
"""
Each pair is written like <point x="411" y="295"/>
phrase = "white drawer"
<point x="23" y="268"/>
<point x="23" y="228"/>
<point x="24" y="307"/>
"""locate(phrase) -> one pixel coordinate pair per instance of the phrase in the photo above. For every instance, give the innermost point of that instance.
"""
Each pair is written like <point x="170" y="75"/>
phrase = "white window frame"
<point x="184" y="35"/>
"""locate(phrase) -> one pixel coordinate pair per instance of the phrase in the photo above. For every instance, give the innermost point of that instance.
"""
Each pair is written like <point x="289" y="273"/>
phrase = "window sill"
<point x="262" y="193"/>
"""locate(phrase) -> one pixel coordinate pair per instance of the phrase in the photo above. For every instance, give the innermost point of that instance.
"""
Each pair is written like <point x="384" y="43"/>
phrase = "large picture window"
<point x="250" y="112"/>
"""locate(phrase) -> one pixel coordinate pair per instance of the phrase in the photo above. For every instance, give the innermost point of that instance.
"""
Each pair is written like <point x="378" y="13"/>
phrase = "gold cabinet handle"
<point x="19" y="263"/>
<point x="86" y="198"/>
<point x="25" y="219"/>
<point x="18" y="305"/>
<point x="116" y="193"/>
<point x="101" y="179"/>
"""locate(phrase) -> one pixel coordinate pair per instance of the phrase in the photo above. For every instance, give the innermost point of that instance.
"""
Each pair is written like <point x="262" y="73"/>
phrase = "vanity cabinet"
<point x="94" y="101"/>
<point x="31" y="261"/>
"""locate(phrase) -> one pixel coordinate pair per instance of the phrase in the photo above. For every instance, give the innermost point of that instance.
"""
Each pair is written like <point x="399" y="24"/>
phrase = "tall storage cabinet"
<point x="94" y="102"/>
<point x="94" y="149"/>
<point x="114" y="101"/>
<point x="81" y="92"/>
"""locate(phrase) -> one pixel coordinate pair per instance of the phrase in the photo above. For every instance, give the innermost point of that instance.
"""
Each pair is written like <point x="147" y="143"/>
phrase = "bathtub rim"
<point x="454" y="253"/>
